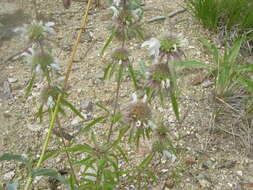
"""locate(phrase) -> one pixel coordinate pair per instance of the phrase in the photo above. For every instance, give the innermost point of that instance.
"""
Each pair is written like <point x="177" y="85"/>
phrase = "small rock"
<point x="239" y="173"/>
<point x="9" y="175"/>
<point x="12" y="80"/>
<point x="204" y="183"/>
<point x="77" y="120"/>
<point x="34" y="127"/>
<point x="99" y="75"/>
<point x="87" y="105"/>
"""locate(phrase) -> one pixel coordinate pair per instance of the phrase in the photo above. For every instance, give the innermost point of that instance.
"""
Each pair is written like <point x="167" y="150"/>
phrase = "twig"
<point x="159" y="18"/>
<point x="174" y="13"/>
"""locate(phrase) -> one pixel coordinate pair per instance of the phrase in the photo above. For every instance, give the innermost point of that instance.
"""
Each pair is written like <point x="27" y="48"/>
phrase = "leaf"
<point x="189" y="64"/>
<point x="130" y="68"/>
<point x="50" y="154"/>
<point x="108" y="41"/>
<point x="102" y="107"/>
<point x="122" y="152"/>
<point x="107" y="69"/>
<point x="174" y="104"/>
<point x="147" y="160"/>
<point x="50" y="173"/>
<point x="68" y="104"/>
<point x="82" y="148"/>
<point x="71" y="182"/>
<point x="12" y="186"/>
<point x="94" y="122"/>
<point x="211" y="48"/>
<point x="15" y="157"/>
<point x="30" y="85"/>
<point x="235" y="50"/>
<point x="246" y="81"/>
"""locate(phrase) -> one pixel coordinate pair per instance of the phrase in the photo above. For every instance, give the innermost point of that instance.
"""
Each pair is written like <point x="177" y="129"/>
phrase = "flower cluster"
<point x="126" y="16"/>
<point x="36" y="31"/>
<point x="41" y="62"/>
<point x="137" y="113"/>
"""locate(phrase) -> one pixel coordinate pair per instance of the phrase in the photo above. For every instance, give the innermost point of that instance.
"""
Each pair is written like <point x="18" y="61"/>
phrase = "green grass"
<point x="224" y="15"/>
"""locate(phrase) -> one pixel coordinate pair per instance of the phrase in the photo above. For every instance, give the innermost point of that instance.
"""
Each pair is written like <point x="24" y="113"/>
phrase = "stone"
<point x="87" y="105"/>
<point x="12" y="80"/>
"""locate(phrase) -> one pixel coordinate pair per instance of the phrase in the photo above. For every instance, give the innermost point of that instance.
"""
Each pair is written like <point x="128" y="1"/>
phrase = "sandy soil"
<point x="213" y="155"/>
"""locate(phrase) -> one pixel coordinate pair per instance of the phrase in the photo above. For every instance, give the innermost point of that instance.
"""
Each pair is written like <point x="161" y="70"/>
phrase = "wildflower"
<point x="116" y="2"/>
<point x="121" y="55"/>
<point x="50" y="102"/>
<point x="115" y="12"/>
<point x="137" y="113"/>
<point x="49" y="96"/>
<point x="158" y="77"/>
<point x="153" y="46"/>
<point x="172" y="44"/>
<point x="41" y="62"/>
<point x="36" y="31"/>
<point x="162" y="142"/>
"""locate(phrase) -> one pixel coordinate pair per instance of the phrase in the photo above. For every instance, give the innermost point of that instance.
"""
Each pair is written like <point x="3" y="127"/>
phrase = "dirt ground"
<point x="216" y="145"/>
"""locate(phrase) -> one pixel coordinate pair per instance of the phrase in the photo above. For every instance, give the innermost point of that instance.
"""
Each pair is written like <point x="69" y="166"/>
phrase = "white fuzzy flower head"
<point x="41" y="61"/>
<point x="137" y="113"/>
<point x="153" y="46"/>
<point x="116" y="2"/>
<point x="115" y="12"/>
<point x="36" y="31"/>
<point x="50" y="102"/>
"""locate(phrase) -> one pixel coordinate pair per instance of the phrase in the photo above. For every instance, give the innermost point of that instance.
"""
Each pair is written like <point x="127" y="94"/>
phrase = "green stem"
<point x="52" y="122"/>
<point x="116" y="101"/>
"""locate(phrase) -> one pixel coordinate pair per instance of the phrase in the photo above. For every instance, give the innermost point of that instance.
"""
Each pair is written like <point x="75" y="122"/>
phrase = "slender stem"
<point x="68" y="156"/>
<point x="116" y="102"/>
<point x="54" y="116"/>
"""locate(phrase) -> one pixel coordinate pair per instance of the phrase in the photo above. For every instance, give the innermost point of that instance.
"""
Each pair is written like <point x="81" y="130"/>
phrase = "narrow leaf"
<point x="50" y="173"/>
<point x="9" y="157"/>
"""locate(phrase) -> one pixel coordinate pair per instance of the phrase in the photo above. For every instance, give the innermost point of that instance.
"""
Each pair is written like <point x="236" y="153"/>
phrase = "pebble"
<point x="87" y="105"/>
<point x="9" y="175"/>
<point x="12" y="80"/>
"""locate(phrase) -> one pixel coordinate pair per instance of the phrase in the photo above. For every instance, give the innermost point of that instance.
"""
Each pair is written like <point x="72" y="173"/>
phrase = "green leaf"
<point x="71" y="182"/>
<point x="102" y="107"/>
<point x="122" y="152"/>
<point x="83" y="148"/>
<point x="174" y="104"/>
<point x="130" y="68"/>
<point x="15" y="157"/>
<point x="68" y="104"/>
<point x="50" y="155"/>
<point x="235" y="50"/>
<point x="108" y="41"/>
<point x="94" y="122"/>
<point x="147" y="160"/>
<point x="246" y="81"/>
<point x="211" y="48"/>
<point x="189" y="64"/>
<point x="30" y="85"/>
<point x="50" y="173"/>
<point x="106" y="71"/>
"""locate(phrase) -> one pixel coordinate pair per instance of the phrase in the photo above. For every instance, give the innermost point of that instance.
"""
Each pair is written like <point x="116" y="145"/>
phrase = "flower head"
<point x="121" y="54"/>
<point x="153" y="46"/>
<point x="116" y="2"/>
<point x="41" y="62"/>
<point x="158" y="77"/>
<point x="137" y="113"/>
<point x="36" y="31"/>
